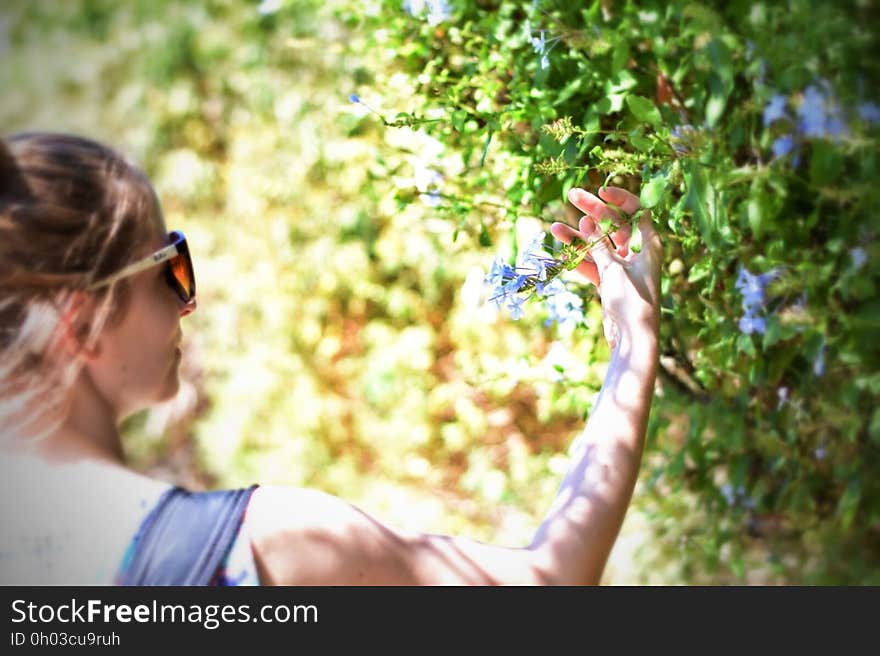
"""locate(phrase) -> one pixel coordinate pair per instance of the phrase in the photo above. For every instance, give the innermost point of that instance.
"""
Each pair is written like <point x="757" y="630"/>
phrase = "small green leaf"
<point x="635" y="242"/>
<point x="641" y="143"/>
<point x="458" y="119"/>
<point x="653" y="191"/>
<point x="849" y="503"/>
<point x="644" y="110"/>
<point x="874" y="428"/>
<point x="620" y="56"/>
<point x="700" y="270"/>
<point x="485" y="239"/>
<point x="745" y="344"/>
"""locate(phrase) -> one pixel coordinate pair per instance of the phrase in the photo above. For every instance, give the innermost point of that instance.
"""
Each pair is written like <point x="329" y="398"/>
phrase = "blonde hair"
<point x="71" y="212"/>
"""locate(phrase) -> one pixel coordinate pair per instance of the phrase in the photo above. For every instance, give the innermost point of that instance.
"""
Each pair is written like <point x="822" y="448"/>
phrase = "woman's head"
<point x="72" y="213"/>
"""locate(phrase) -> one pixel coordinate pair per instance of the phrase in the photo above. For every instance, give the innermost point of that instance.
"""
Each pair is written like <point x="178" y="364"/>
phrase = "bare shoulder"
<point x="302" y="536"/>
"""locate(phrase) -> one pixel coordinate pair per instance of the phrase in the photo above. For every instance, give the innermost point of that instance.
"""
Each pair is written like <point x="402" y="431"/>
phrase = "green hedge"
<point x="750" y="129"/>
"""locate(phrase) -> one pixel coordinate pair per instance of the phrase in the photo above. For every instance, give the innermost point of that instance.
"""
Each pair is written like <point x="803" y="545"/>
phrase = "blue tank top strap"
<point x="185" y="539"/>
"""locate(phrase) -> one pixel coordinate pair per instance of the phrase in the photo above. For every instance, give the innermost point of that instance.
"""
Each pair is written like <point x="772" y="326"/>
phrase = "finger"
<point x="590" y="204"/>
<point x="589" y="271"/>
<point x="621" y="239"/>
<point x="601" y="251"/>
<point x="649" y="233"/>
<point x="623" y="199"/>
<point x="566" y="234"/>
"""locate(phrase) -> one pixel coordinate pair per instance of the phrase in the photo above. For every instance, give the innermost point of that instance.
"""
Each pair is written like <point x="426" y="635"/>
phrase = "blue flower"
<point x="783" y="145"/>
<point x="749" y="324"/>
<point x="775" y="109"/>
<point x="428" y="182"/>
<point x="514" y="285"/>
<point x="438" y="11"/>
<point x="869" y="112"/>
<point x="533" y="257"/>
<point x="782" y="393"/>
<point x="566" y="309"/>
<point x="514" y="304"/>
<point x="819" y="362"/>
<point x="542" y="46"/>
<point x="553" y="287"/>
<point x="812" y="113"/>
<point x="859" y="257"/>
<point x="753" y="289"/>
<point x="537" y="275"/>
<point x="354" y="98"/>
<point x="499" y="271"/>
<point x="819" y="113"/>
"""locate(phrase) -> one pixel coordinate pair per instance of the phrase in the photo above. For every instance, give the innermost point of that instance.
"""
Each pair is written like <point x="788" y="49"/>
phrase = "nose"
<point x="188" y="308"/>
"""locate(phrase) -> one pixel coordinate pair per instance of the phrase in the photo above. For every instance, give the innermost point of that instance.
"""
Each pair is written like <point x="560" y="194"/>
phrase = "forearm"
<point x="573" y="542"/>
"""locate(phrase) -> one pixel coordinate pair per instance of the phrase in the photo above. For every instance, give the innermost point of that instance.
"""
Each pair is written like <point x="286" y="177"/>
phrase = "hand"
<point x="628" y="282"/>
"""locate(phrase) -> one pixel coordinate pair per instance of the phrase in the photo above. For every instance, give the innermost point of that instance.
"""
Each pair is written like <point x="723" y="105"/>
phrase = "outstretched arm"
<point x="304" y="537"/>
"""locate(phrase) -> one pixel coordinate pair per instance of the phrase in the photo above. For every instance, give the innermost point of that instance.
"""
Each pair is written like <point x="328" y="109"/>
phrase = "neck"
<point x="90" y="429"/>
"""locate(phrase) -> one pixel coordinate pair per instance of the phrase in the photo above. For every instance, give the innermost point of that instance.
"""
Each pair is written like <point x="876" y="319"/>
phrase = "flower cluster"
<point x="753" y="289"/>
<point x="428" y="182"/>
<point x="542" y="46"/>
<point x="560" y="129"/>
<point x="538" y="276"/>
<point x="737" y="496"/>
<point x="268" y="7"/>
<point x="436" y="11"/>
<point x="552" y="166"/>
<point x="817" y="116"/>
<point x="685" y="140"/>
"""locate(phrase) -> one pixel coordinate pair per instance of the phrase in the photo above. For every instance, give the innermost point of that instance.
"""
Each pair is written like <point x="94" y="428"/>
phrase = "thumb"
<point x="650" y="237"/>
<point x="601" y="251"/>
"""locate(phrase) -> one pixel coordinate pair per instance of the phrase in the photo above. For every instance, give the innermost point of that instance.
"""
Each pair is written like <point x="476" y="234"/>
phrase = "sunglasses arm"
<point x="158" y="257"/>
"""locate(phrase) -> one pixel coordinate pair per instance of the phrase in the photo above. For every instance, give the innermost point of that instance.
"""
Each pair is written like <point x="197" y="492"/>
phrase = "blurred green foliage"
<point x="340" y="340"/>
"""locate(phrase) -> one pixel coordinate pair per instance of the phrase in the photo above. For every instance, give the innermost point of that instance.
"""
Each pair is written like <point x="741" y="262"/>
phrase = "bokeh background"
<point x="342" y="339"/>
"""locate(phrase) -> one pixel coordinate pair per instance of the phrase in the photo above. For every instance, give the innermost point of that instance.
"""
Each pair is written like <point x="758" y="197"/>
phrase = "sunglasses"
<point x="178" y="268"/>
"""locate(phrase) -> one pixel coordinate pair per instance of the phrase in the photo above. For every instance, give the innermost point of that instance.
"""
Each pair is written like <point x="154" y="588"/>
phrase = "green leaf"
<point x="613" y="102"/>
<point x="644" y="110"/>
<point x="635" y="241"/>
<point x="485" y="239"/>
<point x="486" y="147"/>
<point x="716" y="103"/>
<point x="773" y="332"/>
<point x="701" y="202"/>
<point x="874" y="427"/>
<point x="458" y="119"/>
<point x="700" y="270"/>
<point x="641" y="143"/>
<point x="720" y="81"/>
<point x="745" y="344"/>
<point x="653" y="191"/>
<point x="849" y="503"/>
<point x="620" y="56"/>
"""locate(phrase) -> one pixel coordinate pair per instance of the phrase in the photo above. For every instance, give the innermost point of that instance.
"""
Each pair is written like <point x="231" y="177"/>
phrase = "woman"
<point x="92" y="290"/>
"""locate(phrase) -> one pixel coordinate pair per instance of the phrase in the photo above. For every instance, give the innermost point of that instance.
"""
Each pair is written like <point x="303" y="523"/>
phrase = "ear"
<point x="75" y="323"/>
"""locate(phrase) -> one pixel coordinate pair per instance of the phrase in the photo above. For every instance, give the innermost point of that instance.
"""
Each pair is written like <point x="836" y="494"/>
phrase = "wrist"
<point x="638" y="346"/>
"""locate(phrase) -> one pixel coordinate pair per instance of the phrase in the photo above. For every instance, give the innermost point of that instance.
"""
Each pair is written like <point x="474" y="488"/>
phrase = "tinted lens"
<point x="180" y="269"/>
